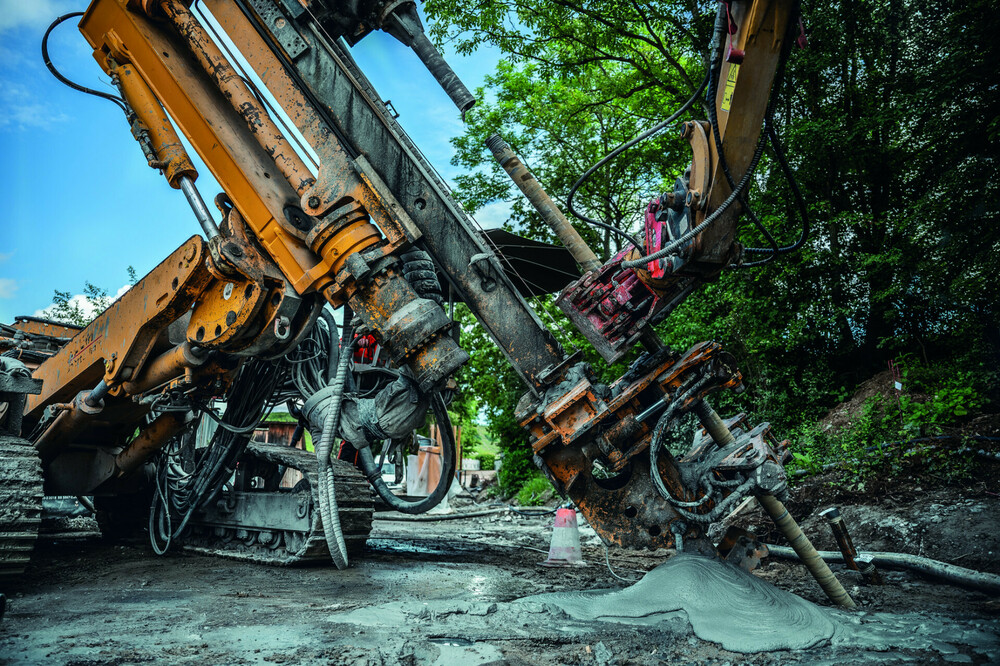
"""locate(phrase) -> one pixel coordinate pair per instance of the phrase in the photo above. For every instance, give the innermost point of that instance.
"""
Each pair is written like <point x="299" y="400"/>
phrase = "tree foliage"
<point x="78" y="309"/>
<point x="81" y="309"/>
<point x="890" y="119"/>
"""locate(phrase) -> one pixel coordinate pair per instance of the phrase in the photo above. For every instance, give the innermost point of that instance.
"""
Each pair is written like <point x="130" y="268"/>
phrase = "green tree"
<point x="81" y="309"/>
<point x="890" y="123"/>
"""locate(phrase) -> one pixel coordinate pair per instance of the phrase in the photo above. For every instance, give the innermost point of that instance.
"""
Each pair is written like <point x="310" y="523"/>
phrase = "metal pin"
<point x="868" y="571"/>
<point x="94" y="398"/>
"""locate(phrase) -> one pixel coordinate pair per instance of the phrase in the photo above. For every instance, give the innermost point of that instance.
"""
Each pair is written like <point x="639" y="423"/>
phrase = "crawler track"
<point x="20" y="504"/>
<point x="288" y="548"/>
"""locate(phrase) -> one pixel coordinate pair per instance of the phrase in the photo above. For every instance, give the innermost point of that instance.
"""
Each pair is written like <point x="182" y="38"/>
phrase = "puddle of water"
<point x="413" y="547"/>
<point x="498" y="586"/>
<point x="460" y="652"/>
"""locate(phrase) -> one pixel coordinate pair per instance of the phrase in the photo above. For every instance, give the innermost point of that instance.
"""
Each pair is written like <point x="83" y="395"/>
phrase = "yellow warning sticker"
<point x="727" y="95"/>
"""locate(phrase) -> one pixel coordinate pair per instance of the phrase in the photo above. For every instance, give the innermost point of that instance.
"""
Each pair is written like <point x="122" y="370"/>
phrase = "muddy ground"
<point x="444" y="593"/>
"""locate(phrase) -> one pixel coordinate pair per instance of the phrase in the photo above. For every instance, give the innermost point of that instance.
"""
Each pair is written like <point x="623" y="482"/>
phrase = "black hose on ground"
<point x="366" y="460"/>
<point x="442" y="516"/>
<point x="949" y="573"/>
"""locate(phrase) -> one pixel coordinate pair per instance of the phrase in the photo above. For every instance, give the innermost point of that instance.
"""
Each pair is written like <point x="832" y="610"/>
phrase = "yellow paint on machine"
<point x="731" y="76"/>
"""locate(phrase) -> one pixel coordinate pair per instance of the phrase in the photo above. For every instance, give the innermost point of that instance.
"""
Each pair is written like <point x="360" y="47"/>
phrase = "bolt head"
<point x="314" y="202"/>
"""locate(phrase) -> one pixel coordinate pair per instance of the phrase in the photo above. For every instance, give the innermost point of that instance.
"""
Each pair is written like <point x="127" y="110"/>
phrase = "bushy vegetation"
<point x="892" y="433"/>
<point x="535" y="491"/>
<point x="486" y="460"/>
<point x="891" y="121"/>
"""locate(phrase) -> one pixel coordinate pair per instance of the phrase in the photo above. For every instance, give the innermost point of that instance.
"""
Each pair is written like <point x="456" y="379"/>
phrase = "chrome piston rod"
<point x="197" y="204"/>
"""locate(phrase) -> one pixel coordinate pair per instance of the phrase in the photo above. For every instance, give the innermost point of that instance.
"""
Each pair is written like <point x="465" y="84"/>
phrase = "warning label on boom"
<point x="727" y="95"/>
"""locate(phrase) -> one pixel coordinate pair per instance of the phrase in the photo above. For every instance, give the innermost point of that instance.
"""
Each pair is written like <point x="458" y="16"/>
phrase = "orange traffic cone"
<point x="565" y="548"/>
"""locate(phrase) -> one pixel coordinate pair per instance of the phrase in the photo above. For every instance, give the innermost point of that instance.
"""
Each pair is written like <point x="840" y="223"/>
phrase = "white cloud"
<point x="493" y="215"/>
<point x="20" y="109"/>
<point x="30" y="13"/>
<point x="85" y="305"/>
<point x="8" y="288"/>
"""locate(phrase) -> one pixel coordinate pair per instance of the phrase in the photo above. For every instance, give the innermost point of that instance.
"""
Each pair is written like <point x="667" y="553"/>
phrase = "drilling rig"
<point x="360" y="223"/>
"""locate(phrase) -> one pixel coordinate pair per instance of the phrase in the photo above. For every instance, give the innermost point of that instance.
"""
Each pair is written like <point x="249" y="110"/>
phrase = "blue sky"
<point x="77" y="200"/>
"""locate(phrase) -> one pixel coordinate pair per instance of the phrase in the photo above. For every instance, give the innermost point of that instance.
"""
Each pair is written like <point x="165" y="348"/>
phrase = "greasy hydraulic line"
<point x="184" y="182"/>
<point x="374" y="473"/>
<point x="737" y="194"/>
<point x="714" y="72"/>
<point x="312" y="374"/>
<point x="62" y="79"/>
<point x="716" y="214"/>
<point x="180" y="493"/>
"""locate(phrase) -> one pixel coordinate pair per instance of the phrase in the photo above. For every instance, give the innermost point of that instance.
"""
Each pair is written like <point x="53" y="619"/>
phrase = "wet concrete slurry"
<point x="455" y="592"/>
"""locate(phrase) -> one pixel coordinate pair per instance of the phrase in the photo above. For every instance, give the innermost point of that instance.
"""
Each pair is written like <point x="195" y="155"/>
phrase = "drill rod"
<point x="543" y="203"/>
<point x="799" y="542"/>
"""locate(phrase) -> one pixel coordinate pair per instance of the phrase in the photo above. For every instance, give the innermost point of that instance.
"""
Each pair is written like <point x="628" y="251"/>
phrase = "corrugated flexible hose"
<point x="328" y="510"/>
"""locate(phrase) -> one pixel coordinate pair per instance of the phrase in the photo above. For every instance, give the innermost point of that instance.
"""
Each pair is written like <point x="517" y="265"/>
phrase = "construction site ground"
<point x="445" y="593"/>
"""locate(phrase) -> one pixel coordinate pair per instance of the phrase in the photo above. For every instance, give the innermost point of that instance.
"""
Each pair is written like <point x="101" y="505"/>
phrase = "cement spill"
<point x="743" y="613"/>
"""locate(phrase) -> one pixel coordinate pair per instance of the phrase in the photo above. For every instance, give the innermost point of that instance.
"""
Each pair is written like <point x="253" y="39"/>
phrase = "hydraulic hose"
<point x="333" y="360"/>
<point x="950" y="573"/>
<point x="779" y="154"/>
<point x="617" y="151"/>
<point x="328" y="510"/>
<point x="62" y="79"/>
<point x="714" y="71"/>
<point x="374" y="473"/>
<point x="672" y="247"/>
<point x="737" y="193"/>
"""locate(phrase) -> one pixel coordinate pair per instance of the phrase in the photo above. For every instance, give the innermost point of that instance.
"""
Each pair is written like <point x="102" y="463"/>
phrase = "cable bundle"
<point x="186" y="482"/>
